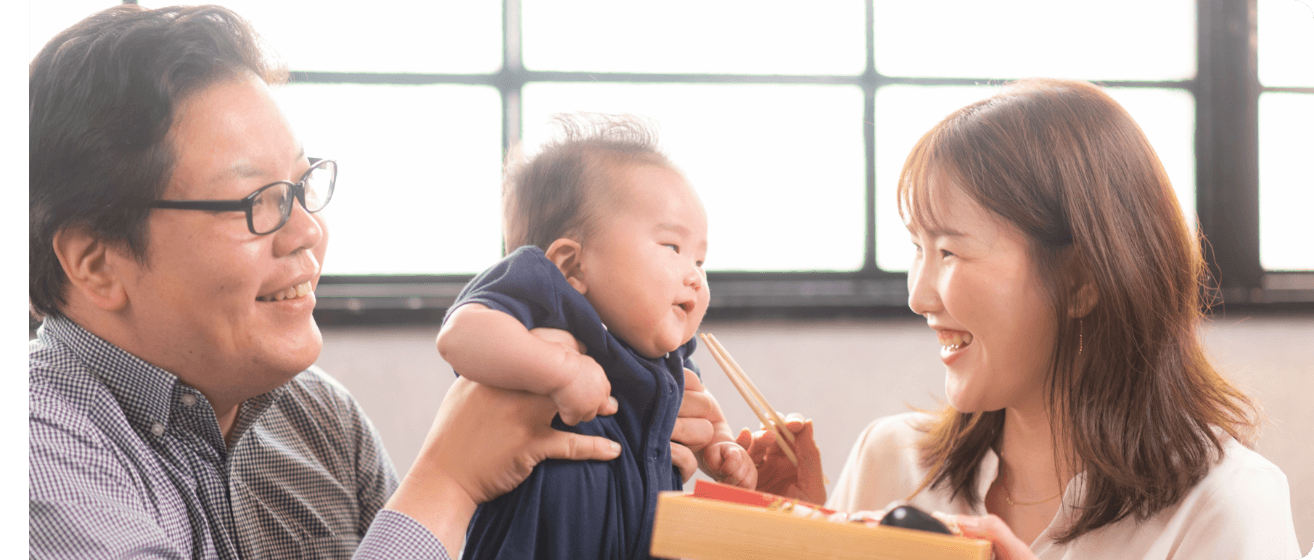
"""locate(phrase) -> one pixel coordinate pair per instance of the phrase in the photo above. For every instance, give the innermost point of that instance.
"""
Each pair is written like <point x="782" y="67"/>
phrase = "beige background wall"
<point x="843" y="374"/>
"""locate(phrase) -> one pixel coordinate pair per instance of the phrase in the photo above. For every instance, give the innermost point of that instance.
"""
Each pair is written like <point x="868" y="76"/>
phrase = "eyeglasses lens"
<point x="270" y="208"/>
<point x="319" y="185"/>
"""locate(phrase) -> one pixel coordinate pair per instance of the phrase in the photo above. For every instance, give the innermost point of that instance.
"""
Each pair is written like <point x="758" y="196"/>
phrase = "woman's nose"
<point x="922" y="296"/>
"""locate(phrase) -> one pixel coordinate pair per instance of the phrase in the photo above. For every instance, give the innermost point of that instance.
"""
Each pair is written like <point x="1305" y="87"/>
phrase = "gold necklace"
<point x="1008" y="497"/>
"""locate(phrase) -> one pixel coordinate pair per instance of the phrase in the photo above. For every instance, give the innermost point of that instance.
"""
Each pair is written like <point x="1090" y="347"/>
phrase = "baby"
<point x="611" y="244"/>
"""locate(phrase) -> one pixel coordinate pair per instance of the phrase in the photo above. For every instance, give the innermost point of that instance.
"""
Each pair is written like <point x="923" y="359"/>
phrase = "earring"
<point x="1081" y="343"/>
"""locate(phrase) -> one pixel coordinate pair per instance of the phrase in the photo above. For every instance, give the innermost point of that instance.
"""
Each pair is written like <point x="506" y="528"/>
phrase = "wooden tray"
<point x="696" y="528"/>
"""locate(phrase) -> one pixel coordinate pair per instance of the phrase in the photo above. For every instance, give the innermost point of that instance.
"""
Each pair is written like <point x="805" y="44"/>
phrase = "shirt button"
<point x="188" y="399"/>
<point x="157" y="429"/>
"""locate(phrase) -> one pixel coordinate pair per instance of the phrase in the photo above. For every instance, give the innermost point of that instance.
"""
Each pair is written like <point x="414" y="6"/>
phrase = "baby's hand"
<point x="728" y="463"/>
<point x="588" y="392"/>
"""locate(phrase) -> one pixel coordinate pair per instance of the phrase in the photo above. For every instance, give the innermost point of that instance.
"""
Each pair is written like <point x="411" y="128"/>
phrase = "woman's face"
<point x="974" y="282"/>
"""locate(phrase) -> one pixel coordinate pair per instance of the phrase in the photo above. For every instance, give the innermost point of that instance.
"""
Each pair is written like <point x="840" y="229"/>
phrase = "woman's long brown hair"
<point x="1136" y="408"/>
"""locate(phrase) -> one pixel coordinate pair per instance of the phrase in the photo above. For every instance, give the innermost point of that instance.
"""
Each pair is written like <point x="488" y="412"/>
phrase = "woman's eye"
<point x="946" y="254"/>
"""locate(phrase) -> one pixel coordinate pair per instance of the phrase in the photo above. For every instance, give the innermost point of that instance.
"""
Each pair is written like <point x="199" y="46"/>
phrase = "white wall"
<point x="843" y="374"/>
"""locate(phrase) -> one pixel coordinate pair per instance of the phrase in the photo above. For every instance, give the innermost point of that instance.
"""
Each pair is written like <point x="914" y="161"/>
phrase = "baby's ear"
<point x="567" y="255"/>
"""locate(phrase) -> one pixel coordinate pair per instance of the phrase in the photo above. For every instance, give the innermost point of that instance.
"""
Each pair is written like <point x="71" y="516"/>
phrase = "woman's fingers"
<point x="991" y="528"/>
<point x="776" y="474"/>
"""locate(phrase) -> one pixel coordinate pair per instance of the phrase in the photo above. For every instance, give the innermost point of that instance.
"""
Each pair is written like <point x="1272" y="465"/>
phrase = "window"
<point x="791" y="121"/>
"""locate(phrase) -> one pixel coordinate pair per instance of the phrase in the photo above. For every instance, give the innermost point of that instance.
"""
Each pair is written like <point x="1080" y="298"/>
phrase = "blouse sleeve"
<point x="881" y="468"/>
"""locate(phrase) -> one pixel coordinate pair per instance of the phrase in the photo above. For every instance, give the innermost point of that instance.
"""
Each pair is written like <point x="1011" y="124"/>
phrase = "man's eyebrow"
<point x="246" y="170"/>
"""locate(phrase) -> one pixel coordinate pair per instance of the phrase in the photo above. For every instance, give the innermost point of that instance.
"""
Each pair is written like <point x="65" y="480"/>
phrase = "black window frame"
<point x="1226" y="90"/>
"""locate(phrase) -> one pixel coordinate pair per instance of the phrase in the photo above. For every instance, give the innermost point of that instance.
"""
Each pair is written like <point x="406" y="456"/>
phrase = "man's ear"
<point x="567" y="255"/>
<point x="86" y="261"/>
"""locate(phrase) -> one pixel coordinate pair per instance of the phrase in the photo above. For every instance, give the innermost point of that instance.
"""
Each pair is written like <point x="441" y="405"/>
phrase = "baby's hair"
<point x="560" y="191"/>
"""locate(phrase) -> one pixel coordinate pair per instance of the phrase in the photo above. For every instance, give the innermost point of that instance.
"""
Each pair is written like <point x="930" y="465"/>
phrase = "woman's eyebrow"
<point x="945" y="232"/>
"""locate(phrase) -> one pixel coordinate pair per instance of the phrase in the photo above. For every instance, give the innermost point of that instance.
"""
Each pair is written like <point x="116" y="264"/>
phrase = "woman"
<point x="1084" y="419"/>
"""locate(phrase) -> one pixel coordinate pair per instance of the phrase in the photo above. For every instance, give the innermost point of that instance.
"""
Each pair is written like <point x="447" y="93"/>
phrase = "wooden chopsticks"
<point x="764" y="411"/>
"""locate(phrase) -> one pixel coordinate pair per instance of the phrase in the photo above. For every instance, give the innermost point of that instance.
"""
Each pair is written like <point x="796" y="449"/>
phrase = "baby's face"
<point x="643" y="267"/>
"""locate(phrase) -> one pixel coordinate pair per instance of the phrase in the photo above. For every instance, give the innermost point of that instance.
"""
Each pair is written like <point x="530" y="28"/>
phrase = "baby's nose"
<point x="695" y="277"/>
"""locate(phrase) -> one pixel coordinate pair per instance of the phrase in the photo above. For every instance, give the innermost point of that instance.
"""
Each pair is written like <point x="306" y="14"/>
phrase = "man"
<point x="173" y="407"/>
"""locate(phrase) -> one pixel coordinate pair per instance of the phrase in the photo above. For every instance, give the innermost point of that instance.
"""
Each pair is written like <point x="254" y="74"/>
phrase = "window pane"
<point x="904" y="113"/>
<point x="1110" y="40"/>
<point x="419" y="182"/>
<point x="1286" y="43"/>
<point x="45" y="19"/>
<point x="696" y="36"/>
<point x="340" y="36"/>
<point x="1286" y="185"/>
<point x="1167" y="116"/>
<point x="779" y="168"/>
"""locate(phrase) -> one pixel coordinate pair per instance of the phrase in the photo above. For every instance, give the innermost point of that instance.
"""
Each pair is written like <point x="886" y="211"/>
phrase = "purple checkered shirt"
<point x="126" y="461"/>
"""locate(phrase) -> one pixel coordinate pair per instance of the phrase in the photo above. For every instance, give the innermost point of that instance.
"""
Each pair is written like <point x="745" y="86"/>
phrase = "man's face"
<point x="203" y="304"/>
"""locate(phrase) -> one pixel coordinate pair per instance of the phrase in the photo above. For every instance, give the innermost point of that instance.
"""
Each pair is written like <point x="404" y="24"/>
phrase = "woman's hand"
<point x="991" y="528"/>
<point x="776" y="474"/>
<point x="484" y="442"/>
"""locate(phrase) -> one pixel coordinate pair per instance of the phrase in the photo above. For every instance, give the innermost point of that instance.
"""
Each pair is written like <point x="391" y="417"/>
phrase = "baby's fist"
<point x="587" y="395"/>
<point x="728" y="463"/>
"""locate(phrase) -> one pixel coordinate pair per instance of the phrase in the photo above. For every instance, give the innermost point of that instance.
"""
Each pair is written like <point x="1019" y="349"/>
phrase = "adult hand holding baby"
<point x="588" y="393"/>
<point x="512" y="431"/>
<point x="702" y="439"/>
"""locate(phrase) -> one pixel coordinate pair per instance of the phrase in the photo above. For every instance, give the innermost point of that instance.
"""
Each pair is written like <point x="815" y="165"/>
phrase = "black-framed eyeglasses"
<point x="269" y="207"/>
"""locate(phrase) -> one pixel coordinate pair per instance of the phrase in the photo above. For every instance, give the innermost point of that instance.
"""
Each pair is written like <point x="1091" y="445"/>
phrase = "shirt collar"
<point x="151" y="398"/>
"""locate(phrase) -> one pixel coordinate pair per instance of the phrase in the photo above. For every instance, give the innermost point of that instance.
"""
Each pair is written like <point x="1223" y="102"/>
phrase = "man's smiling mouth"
<point x="290" y="293"/>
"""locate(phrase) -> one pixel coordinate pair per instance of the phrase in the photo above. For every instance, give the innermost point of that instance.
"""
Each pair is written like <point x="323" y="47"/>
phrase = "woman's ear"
<point x="1084" y="300"/>
<point x="567" y="254"/>
<point x="1079" y="284"/>
<point x="86" y="261"/>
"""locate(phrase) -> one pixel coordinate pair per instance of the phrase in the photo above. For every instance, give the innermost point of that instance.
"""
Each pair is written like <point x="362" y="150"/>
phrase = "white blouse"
<point x="1240" y="510"/>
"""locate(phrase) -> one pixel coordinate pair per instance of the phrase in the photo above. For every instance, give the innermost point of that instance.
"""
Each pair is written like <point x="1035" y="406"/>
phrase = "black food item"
<point x="910" y="517"/>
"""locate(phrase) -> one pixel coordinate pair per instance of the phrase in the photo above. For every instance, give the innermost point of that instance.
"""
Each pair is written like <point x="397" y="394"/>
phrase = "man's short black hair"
<point x="102" y="97"/>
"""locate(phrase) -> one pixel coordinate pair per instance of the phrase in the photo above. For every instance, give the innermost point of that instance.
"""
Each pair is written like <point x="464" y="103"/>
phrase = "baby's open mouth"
<point x="290" y="293"/>
<point x="954" y="340"/>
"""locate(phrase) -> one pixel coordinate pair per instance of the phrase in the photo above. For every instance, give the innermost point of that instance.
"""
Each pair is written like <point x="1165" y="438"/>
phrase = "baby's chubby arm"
<point x="703" y="432"/>
<point x="492" y="347"/>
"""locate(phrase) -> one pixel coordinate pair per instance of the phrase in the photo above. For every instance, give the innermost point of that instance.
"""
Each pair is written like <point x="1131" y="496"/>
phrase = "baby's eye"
<point x="672" y="246"/>
<point x="699" y="264"/>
